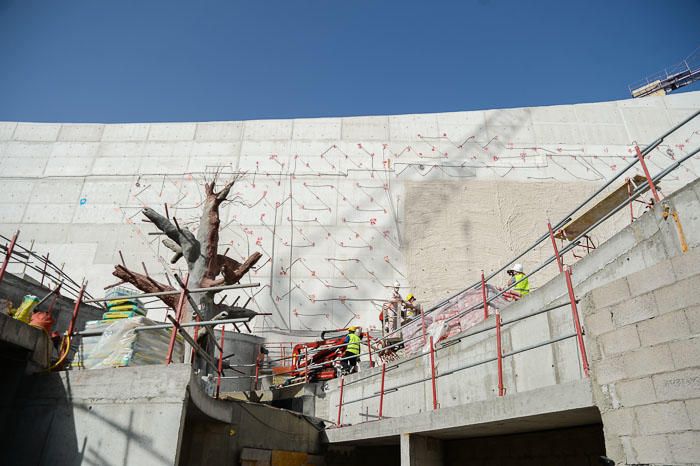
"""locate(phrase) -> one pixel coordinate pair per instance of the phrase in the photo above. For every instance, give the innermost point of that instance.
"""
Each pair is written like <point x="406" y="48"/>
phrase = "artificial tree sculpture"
<point x="207" y="268"/>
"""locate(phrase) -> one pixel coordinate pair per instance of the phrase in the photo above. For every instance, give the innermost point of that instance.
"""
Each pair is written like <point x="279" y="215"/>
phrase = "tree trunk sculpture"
<point x="207" y="268"/>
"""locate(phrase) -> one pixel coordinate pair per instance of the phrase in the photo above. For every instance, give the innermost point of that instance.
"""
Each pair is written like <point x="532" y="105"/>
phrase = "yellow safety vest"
<point x="354" y="344"/>
<point x="524" y="286"/>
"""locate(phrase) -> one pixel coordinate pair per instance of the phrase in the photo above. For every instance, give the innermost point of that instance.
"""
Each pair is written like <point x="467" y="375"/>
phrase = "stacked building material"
<point x="122" y="344"/>
<point x="120" y="306"/>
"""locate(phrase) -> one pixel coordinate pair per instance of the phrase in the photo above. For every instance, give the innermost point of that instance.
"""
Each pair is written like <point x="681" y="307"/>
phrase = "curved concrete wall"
<point x="339" y="207"/>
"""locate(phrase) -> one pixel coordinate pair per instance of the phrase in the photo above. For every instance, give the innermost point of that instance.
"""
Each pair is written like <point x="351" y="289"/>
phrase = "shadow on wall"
<point x="48" y="427"/>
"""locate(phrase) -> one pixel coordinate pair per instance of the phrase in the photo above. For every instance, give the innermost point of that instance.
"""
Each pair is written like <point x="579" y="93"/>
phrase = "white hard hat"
<point x="518" y="268"/>
<point x="397" y="285"/>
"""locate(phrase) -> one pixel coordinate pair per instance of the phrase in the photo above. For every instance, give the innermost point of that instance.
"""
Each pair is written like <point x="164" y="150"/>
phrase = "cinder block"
<point x="80" y="132"/>
<point x="172" y="131"/>
<point x="610" y="294"/>
<point x="686" y="353"/>
<point x="36" y="132"/>
<point x="685" y="447"/>
<point x="686" y="265"/>
<point x="679" y="295"/>
<point x="650" y="449"/>
<point x="677" y="385"/>
<point x="219" y="131"/>
<point x="646" y="361"/>
<point x="692" y="407"/>
<point x="659" y="418"/>
<point x="620" y="421"/>
<point x="635" y="310"/>
<point x="127" y="132"/>
<point x="620" y="340"/>
<point x="663" y="328"/>
<point x="635" y="392"/>
<point x="651" y="278"/>
<point x="610" y="370"/>
<point x="366" y="129"/>
<point x="598" y="323"/>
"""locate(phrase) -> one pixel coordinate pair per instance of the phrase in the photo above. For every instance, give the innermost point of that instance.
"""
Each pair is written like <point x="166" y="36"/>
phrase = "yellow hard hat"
<point x="409" y="296"/>
<point x="352" y="329"/>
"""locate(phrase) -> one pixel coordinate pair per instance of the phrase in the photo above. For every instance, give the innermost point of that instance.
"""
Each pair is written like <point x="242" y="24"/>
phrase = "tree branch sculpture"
<point x="207" y="268"/>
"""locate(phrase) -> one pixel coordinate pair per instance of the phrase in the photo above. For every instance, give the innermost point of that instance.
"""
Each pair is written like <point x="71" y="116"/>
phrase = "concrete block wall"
<point x="340" y="207"/>
<point x="644" y="335"/>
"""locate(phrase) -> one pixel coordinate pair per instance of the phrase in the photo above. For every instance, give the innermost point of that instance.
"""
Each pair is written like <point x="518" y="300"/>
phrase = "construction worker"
<point x="517" y="277"/>
<point x="351" y="356"/>
<point x="411" y="307"/>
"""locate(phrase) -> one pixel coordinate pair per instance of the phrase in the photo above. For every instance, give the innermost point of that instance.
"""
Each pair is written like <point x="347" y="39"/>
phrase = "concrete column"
<point x="418" y="450"/>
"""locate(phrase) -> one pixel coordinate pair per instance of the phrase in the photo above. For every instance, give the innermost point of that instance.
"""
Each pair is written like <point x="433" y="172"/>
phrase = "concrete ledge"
<point x="562" y="405"/>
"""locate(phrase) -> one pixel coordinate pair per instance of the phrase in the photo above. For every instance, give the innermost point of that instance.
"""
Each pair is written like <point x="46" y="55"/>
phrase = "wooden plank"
<point x="598" y="211"/>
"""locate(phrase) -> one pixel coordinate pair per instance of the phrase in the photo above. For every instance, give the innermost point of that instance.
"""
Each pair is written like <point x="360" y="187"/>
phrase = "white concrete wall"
<point x="325" y="199"/>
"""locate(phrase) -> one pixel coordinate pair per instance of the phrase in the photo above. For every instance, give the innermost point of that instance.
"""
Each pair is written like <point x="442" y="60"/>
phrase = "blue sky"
<point x="185" y="60"/>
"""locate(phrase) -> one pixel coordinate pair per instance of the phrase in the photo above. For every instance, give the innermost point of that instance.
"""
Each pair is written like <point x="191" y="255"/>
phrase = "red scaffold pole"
<point x="8" y="254"/>
<point x="422" y="322"/>
<point x="381" y="392"/>
<point x="554" y="245"/>
<point x="76" y="309"/>
<point x="178" y="316"/>
<point x="499" y="355"/>
<point x="221" y="362"/>
<point x="483" y="296"/>
<point x="432" y="373"/>
<point x="306" y="365"/>
<point x="640" y="156"/>
<point x="577" y="322"/>
<point x="340" y="403"/>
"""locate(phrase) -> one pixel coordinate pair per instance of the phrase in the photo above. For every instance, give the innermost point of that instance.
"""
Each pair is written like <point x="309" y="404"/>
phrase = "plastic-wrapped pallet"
<point x="122" y="345"/>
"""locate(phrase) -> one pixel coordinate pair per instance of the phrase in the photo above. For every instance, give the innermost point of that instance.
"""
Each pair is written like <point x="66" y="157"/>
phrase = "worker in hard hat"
<point x="351" y="355"/>
<point x="411" y="307"/>
<point x="519" y="279"/>
<point x="389" y="316"/>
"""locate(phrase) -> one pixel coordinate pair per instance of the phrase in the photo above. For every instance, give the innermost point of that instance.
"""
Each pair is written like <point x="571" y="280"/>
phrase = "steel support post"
<point x="432" y="373"/>
<point x="220" y="368"/>
<point x="381" y="392"/>
<point x="76" y="309"/>
<point x="499" y="355"/>
<point x="43" y="272"/>
<point x="340" y="403"/>
<point x="556" y="249"/>
<point x="640" y="156"/>
<point x="483" y="296"/>
<point x="8" y="254"/>
<point x="178" y="316"/>
<point x="577" y="322"/>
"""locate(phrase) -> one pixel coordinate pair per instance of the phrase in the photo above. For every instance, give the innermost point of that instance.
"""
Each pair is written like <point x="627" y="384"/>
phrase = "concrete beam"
<point x="418" y="450"/>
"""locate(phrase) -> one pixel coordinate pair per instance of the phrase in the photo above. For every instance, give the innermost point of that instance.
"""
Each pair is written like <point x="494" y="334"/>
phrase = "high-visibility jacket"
<point x="524" y="286"/>
<point x="353" y="344"/>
